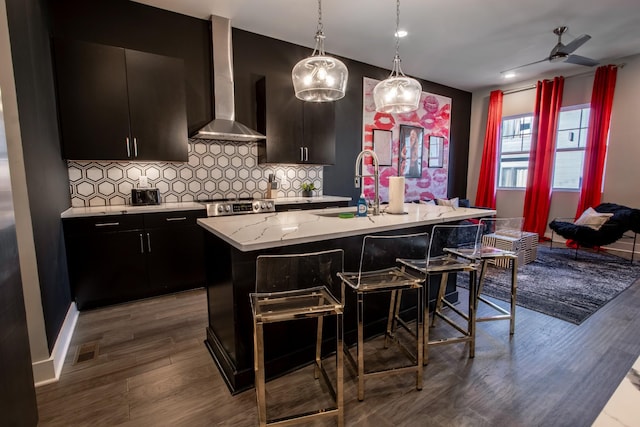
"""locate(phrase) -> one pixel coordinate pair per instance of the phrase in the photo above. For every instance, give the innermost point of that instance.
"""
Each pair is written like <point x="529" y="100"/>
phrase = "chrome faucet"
<point x="376" y="176"/>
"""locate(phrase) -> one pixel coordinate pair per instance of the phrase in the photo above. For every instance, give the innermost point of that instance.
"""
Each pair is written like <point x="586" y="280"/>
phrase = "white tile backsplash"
<point x="215" y="169"/>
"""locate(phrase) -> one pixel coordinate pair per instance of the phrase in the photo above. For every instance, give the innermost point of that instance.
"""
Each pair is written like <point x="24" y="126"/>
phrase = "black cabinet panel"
<point x="104" y="224"/>
<point x="119" y="104"/>
<point x="106" y="268"/>
<point x="283" y="121"/>
<point x="92" y="100"/>
<point x="175" y="251"/>
<point x="175" y="258"/>
<point x="319" y="132"/>
<point x="297" y="132"/>
<point x="157" y="106"/>
<point x="117" y="258"/>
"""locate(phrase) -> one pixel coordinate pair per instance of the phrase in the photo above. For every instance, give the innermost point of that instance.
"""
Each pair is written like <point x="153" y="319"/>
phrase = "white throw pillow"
<point x="451" y="202"/>
<point x="427" y="202"/>
<point x="592" y="218"/>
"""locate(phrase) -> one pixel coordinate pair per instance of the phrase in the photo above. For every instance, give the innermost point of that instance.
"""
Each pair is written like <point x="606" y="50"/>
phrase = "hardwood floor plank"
<point x="154" y="370"/>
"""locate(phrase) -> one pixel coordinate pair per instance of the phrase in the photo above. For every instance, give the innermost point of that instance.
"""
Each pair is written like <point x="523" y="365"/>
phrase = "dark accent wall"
<point x="257" y="56"/>
<point x="136" y="26"/>
<point x="46" y="172"/>
<point x="18" y="406"/>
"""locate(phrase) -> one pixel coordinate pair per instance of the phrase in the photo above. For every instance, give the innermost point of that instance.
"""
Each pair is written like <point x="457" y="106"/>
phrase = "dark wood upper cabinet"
<point x="297" y="132"/>
<point x="319" y="132"/>
<point x="119" y="104"/>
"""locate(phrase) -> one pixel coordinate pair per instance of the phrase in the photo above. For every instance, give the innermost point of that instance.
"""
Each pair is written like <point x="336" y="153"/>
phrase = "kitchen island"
<point x="232" y="245"/>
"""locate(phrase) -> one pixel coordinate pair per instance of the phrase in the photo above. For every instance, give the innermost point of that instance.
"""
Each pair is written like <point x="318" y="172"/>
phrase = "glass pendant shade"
<point x="398" y="93"/>
<point x="319" y="78"/>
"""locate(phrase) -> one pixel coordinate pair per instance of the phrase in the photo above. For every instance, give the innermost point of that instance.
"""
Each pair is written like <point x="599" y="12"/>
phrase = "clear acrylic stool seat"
<point x="294" y="287"/>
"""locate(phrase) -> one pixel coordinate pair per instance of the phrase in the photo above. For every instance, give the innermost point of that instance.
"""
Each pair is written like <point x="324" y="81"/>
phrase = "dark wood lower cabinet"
<point x="175" y="251"/>
<point x="120" y="258"/>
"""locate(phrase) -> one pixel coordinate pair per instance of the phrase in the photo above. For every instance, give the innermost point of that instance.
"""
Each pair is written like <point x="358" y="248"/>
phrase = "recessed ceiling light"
<point x="401" y="33"/>
<point x="509" y="74"/>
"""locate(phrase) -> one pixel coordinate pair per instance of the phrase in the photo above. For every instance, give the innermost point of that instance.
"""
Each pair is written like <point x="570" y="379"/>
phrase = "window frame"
<point x="578" y="148"/>
<point x="499" y="186"/>
<point x="585" y="106"/>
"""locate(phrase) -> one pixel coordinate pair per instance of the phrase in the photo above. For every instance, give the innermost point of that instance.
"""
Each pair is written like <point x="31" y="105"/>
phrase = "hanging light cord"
<point x="319" y="49"/>
<point x="397" y="70"/>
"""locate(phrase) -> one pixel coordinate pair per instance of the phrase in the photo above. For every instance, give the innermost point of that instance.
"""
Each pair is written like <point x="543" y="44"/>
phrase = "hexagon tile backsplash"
<point x="214" y="170"/>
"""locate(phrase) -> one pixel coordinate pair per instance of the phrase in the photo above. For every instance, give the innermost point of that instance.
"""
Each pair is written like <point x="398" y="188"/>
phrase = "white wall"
<point x="622" y="169"/>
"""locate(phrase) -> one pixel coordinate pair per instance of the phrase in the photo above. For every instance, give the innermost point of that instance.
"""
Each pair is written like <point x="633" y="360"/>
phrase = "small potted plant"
<point x="307" y="189"/>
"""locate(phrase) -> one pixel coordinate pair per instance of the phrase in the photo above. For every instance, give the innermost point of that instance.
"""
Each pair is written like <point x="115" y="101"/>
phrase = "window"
<point x="573" y="123"/>
<point x="515" y="144"/>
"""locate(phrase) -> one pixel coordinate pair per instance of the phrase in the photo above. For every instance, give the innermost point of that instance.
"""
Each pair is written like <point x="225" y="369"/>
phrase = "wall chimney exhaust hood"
<point x="224" y="126"/>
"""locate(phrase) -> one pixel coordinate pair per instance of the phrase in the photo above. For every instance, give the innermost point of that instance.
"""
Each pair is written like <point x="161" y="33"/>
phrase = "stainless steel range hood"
<point x="224" y="126"/>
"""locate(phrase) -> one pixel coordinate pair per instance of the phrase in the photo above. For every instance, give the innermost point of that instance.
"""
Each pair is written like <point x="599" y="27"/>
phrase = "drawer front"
<point x="173" y="219"/>
<point x="103" y="224"/>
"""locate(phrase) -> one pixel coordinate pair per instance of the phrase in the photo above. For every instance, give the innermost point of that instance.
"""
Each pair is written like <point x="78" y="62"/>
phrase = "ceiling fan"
<point x="564" y="52"/>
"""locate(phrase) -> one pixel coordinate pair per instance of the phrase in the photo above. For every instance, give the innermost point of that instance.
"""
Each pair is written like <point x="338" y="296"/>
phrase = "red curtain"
<point x="604" y="85"/>
<point x="486" y="194"/>
<point x="537" y="197"/>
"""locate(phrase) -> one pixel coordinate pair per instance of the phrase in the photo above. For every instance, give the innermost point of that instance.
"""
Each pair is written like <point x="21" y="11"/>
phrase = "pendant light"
<point x="398" y="93"/>
<point x="319" y="78"/>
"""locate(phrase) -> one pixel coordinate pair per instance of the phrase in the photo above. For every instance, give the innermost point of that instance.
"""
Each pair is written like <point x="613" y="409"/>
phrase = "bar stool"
<point x="441" y="261"/>
<point x="491" y="253"/>
<point x="292" y="287"/>
<point x="378" y="273"/>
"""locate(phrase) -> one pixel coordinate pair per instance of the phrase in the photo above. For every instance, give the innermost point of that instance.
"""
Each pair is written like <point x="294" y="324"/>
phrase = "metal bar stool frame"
<point x="393" y="280"/>
<point x="279" y="306"/>
<point x="490" y="253"/>
<point x="443" y="264"/>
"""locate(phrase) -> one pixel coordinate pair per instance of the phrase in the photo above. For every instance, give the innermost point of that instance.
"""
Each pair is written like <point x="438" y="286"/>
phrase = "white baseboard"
<point x="48" y="370"/>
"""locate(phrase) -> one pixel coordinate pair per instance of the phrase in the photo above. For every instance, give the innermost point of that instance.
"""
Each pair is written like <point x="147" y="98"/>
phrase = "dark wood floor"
<point x="152" y="368"/>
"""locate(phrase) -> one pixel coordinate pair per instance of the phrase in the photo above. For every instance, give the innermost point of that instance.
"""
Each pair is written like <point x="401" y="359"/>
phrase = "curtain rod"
<point x="519" y="89"/>
<point x="533" y="86"/>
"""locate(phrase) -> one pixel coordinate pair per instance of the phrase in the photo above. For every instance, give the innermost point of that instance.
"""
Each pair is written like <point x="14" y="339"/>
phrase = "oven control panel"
<point x="239" y="207"/>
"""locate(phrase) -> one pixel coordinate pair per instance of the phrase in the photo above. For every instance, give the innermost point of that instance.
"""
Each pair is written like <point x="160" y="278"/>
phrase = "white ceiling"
<point x="460" y="43"/>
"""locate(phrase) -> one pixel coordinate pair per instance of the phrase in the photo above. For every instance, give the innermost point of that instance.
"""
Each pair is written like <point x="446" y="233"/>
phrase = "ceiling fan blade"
<point x="525" y="65"/>
<point x="576" y="43"/>
<point x="581" y="60"/>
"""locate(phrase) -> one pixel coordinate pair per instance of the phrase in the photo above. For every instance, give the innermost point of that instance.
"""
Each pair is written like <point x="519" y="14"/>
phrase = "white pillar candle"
<point x="396" y="195"/>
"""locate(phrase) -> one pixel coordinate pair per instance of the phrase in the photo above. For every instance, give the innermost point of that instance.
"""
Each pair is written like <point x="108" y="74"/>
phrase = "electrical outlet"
<point x="143" y="181"/>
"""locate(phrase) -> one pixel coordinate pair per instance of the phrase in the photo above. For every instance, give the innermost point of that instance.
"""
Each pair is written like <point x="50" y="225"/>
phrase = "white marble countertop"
<point x="269" y="230"/>
<point x="180" y="206"/>
<point x="128" y="209"/>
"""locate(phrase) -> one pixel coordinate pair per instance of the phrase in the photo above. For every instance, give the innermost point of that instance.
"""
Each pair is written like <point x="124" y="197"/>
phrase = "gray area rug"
<point x="561" y="286"/>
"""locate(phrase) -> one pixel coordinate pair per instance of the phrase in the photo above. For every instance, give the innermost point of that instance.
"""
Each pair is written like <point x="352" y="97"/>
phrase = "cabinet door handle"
<point x="149" y="242"/>
<point x="135" y="147"/>
<point x="106" y="224"/>
<point x="302" y="154"/>
<point x="181" y="218"/>
<point x="128" y="148"/>
<point x="306" y="154"/>
<point x="141" y="244"/>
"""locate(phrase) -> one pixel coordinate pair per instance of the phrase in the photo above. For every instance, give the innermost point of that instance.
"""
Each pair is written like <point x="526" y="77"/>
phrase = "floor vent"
<point x="85" y="352"/>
